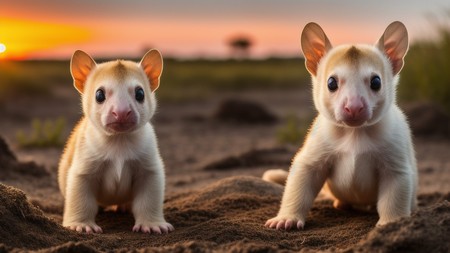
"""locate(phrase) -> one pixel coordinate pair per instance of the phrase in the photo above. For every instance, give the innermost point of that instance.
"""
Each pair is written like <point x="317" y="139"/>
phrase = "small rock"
<point x="241" y="111"/>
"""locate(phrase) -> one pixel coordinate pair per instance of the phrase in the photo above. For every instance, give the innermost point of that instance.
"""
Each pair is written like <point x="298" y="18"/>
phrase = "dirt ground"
<point x="215" y="197"/>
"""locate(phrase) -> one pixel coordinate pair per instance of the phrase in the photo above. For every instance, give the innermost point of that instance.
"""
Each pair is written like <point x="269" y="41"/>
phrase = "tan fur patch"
<point x="120" y="70"/>
<point x="353" y="54"/>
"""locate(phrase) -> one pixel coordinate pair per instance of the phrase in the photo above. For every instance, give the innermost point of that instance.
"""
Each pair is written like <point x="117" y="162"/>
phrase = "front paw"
<point x="153" y="227"/>
<point x="88" y="227"/>
<point x="382" y="222"/>
<point x="285" y="222"/>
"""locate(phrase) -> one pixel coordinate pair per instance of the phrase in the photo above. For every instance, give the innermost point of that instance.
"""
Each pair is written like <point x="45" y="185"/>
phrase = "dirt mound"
<point x="427" y="230"/>
<point x="5" y="152"/>
<point x="228" y="216"/>
<point x="11" y="168"/>
<point x="242" y="111"/>
<point x="428" y="119"/>
<point x="24" y="226"/>
<point x="279" y="156"/>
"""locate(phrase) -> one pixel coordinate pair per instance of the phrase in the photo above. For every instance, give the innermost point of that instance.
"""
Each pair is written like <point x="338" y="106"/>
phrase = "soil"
<point x="215" y="197"/>
<point x="428" y="119"/>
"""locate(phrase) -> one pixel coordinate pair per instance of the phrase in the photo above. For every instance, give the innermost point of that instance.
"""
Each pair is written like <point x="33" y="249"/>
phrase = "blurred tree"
<point x="240" y="46"/>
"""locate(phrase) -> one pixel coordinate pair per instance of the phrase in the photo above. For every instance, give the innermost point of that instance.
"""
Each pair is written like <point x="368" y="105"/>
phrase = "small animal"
<point x="112" y="156"/>
<point x="359" y="145"/>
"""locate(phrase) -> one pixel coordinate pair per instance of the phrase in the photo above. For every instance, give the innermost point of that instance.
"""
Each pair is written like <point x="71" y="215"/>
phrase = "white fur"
<point x="101" y="166"/>
<point x="371" y="164"/>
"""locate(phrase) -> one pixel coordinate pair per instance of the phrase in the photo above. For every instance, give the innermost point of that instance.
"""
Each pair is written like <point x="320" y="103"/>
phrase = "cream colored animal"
<point x="112" y="156"/>
<point x="359" y="145"/>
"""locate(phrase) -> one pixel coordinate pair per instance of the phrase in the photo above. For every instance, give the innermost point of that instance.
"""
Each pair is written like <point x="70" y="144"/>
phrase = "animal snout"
<point x="354" y="107"/>
<point x="121" y="114"/>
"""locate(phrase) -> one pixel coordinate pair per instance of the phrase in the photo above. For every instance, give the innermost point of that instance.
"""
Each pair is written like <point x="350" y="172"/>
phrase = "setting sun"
<point x="26" y="37"/>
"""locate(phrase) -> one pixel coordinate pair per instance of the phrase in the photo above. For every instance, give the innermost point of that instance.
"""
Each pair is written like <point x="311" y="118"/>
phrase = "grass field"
<point x="193" y="79"/>
<point x="31" y="78"/>
<point x="181" y="80"/>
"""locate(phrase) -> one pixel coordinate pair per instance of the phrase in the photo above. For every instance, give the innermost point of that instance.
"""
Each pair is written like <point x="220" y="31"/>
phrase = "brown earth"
<point x="215" y="198"/>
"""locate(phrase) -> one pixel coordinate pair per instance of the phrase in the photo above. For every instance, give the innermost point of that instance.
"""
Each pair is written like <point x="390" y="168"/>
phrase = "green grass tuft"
<point x="293" y="131"/>
<point x="44" y="134"/>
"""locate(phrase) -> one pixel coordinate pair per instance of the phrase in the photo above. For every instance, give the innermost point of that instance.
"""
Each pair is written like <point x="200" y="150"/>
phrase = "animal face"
<point x="354" y="85"/>
<point x="117" y="96"/>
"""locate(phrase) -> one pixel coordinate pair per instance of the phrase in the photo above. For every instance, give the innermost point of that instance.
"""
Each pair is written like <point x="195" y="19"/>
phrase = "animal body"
<point x="359" y="146"/>
<point x="112" y="156"/>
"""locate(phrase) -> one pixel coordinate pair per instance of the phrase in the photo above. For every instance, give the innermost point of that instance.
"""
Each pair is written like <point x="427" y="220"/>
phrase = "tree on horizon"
<point x="240" y="46"/>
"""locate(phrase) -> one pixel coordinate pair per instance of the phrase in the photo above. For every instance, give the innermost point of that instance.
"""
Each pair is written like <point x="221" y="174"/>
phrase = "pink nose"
<point x="353" y="107"/>
<point x="121" y="115"/>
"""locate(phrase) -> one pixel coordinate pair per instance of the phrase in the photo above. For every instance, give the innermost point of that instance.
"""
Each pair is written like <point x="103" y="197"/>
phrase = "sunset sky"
<point x="112" y="28"/>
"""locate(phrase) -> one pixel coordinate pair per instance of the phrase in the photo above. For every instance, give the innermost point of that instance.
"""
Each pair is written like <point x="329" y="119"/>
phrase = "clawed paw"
<point x="281" y="223"/>
<point x="153" y="227"/>
<point x="89" y="228"/>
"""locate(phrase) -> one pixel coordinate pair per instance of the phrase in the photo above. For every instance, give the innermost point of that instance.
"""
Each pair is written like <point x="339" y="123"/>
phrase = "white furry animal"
<point x="360" y="144"/>
<point x="112" y="156"/>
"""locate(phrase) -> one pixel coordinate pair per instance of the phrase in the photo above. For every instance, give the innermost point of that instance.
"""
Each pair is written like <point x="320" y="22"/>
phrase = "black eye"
<point x="139" y="94"/>
<point x="100" y="96"/>
<point x="375" y="83"/>
<point x="332" y="84"/>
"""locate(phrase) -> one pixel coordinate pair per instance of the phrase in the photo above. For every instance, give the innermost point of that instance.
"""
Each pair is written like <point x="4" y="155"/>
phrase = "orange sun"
<point x="25" y="37"/>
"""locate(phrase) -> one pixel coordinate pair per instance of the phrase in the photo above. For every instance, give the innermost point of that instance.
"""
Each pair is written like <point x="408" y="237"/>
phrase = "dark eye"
<point x="375" y="83"/>
<point x="100" y="96"/>
<point x="139" y="94"/>
<point x="332" y="84"/>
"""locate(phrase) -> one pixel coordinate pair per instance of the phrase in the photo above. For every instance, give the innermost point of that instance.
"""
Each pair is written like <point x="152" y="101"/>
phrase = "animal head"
<point x="354" y="85"/>
<point x="117" y="96"/>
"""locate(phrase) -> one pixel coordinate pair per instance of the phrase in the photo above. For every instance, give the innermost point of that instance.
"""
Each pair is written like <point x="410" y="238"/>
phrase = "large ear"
<point x="394" y="43"/>
<point x="152" y="63"/>
<point x="81" y="65"/>
<point x="314" y="45"/>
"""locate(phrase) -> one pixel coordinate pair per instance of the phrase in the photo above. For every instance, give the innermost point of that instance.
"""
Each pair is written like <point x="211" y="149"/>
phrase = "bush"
<point x="426" y="75"/>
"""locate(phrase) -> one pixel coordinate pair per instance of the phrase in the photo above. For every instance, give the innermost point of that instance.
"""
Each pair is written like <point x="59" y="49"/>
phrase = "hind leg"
<point x="337" y="203"/>
<point x="341" y="205"/>
<point x="123" y="208"/>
